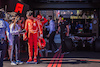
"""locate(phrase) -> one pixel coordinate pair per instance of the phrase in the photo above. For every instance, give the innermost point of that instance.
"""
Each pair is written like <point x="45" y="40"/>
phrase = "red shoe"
<point x="29" y="60"/>
<point x="32" y="62"/>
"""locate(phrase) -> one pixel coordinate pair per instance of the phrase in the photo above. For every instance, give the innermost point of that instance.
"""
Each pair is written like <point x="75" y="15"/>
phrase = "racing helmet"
<point x="41" y="43"/>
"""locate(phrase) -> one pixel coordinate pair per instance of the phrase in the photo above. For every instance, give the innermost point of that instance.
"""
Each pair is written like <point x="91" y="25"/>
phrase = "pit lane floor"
<point x="73" y="59"/>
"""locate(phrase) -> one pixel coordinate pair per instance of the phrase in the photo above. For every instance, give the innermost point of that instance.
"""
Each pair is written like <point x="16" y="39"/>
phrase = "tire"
<point x="80" y="45"/>
<point x="69" y="44"/>
<point x="97" y="45"/>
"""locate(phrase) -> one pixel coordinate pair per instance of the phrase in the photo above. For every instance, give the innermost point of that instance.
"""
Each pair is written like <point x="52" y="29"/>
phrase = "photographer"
<point x="4" y="27"/>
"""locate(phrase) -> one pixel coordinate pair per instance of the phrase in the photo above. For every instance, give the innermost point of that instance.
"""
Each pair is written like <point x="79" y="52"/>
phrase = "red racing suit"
<point x="32" y="27"/>
<point x="41" y="25"/>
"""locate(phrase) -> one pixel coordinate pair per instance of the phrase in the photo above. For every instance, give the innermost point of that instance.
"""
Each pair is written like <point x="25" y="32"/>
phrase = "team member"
<point x="4" y="27"/>
<point x="14" y="30"/>
<point x="63" y="25"/>
<point x="31" y="27"/>
<point x="39" y="17"/>
<point x="51" y="35"/>
<point x="21" y="23"/>
<point x="41" y="23"/>
<point x="10" y="40"/>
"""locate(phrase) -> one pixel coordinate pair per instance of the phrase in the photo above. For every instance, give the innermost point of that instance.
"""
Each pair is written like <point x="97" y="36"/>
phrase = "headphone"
<point x="41" y="43"/>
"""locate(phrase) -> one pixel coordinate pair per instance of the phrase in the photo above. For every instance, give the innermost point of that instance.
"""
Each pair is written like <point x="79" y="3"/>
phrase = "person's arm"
<point x="46" y="26"/>
<point x="58" y="30"/>
<point x="67" y="26"/>
<point x="19" y="28"/>
<point x="51" y="27"/>
<point x="12" y="31"/>
<point x="45" y="20"/>
<point x="7" y="30"/>
<point x="40" y="30"/>
<point x="26" y="28"/>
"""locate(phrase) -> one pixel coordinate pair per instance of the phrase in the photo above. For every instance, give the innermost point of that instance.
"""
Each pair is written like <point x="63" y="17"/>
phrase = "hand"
<point x="56" y="32"/>
<point x="16" y="17"/>
<point x="42" y="17"/>
<point x="41" y="36"/>
<point x="48" y="35"/>
<point x="19" y="30"/>
<point x="25" y="38"/>
<point x="67" y="34"/>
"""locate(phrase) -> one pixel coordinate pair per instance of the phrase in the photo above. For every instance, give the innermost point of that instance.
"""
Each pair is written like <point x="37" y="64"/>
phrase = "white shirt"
<point x="14" y="31"/>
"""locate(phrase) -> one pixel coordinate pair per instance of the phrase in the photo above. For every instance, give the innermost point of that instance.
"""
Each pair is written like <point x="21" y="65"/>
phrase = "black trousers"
<point x="23" y="43"/>
<point x="51" y="41"/>
<point x="2" y="52"/>
<point x="62" y="36"/>
<point x="15" y="47"/>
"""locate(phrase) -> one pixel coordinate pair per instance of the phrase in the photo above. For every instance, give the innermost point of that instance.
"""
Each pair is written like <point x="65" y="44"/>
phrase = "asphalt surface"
<point x="73" y="59"/>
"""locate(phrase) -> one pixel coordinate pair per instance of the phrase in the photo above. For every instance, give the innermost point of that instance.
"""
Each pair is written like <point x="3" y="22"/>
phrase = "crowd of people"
<point x="81" y="27"/>
<point x="16" y="32"/>
<point x="26" y="32"/>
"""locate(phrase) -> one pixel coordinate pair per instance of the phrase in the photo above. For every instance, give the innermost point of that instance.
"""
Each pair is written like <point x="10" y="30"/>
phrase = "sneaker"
<point x="56" y="50"/>
<point x="66" y="52"/>
<point x="5" y="58"/>
<point x="35" y="62"/>
<point x="31" y="62"/>
<point x="13" y="63"/>
<point x="49" y="51"/>
<point x="19" y="62"/>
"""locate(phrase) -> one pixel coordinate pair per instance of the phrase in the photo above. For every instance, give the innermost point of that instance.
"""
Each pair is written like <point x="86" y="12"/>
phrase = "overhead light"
<point x="71" y="12"/>
<point x="94" y="9"/>
<point x="80" y="0"/>
<point x="20" y="0"/>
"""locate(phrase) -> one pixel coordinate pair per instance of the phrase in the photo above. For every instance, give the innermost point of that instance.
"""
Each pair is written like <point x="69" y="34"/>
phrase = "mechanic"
<point x="63" y="25"/>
